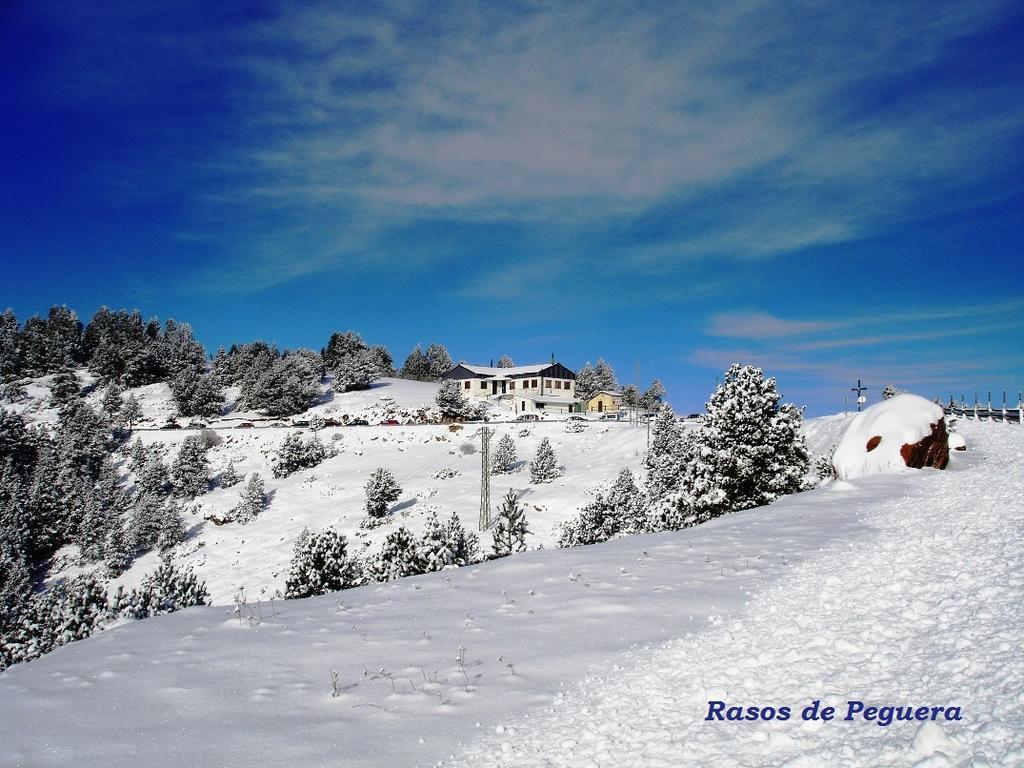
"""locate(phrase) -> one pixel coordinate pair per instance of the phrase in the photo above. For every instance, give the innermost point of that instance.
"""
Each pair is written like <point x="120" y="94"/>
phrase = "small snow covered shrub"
<point x="399" y="556"/>
<point x="166" y="590"/>
<point x="575" y="427"/>
<point x="229" y="476"/>
<point x="615" y="511"/>
<point x="446" y="473"/>
<point x="509" y="528"/>
<point x="68" y="611"/>
<point x="446" y="545"/>
<point x="544" y="467"/>
<point x="321" y="564"/>
<point x="504" y="456"/>
<point x="252" y="501"/>
<point x="466" y="448"/>
<point x="382" y="490"/>
<point x="294" y="454"/>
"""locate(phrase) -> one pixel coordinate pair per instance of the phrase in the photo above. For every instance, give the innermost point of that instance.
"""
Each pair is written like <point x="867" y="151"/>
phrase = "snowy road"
<point x="926" y="613"/>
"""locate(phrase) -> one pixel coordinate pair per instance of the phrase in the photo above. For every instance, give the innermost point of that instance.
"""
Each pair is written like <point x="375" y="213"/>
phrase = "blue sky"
<point x="827" y="192"/>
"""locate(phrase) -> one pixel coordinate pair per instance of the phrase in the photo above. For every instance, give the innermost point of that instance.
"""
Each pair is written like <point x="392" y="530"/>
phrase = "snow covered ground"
<point x="255" y="557"/>
<point x="900" y="589"/>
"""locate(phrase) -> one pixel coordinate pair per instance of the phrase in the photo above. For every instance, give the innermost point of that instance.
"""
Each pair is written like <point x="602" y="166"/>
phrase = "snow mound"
<point x="871" y="444"/>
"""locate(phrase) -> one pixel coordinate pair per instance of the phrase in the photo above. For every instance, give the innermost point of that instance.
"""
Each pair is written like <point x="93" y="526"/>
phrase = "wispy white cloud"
<point x="739" y="122"/>
<point x="761" y="325"/>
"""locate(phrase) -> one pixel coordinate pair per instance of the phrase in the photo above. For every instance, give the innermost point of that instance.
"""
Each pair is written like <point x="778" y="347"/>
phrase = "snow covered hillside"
<point x="437" y="468"/>
<point x="899" y="589"/>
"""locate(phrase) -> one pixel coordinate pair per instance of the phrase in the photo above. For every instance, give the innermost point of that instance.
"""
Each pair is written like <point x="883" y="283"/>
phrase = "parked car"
<point x="528" y="417"/>
<point x="390" y="423"/>
<point x="609" y="417"/>
<point x="577" y="417"/>
<point x="244" y="425"/>
<point x="171" y="424"/>
<point x="300" y="423"/>
<point x="359" y="423"/>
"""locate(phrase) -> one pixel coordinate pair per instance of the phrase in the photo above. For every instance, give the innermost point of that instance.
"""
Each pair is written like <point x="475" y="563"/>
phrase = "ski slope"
<point x="893" y="589"/>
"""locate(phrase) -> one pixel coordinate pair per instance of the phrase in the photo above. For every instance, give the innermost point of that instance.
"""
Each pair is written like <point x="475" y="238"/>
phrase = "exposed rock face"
<point x="873" y="443"/>
<point x="932" y="450"/>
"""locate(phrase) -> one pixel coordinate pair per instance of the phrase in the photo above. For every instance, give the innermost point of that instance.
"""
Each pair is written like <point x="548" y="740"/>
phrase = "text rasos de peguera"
<point x="853" y="710"/>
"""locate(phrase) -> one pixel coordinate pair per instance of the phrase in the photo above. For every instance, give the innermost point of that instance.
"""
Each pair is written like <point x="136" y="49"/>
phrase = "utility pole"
<point x="485" y="479"/>
<point x="860" y="397"/>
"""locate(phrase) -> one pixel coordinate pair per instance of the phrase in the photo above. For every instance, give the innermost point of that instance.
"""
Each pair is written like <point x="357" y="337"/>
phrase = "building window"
<point x="511" y="385"/>
<point x="483" y="385"/>
<point x="533" y="384"/>
<point x="467" y="385"/>
<point x="558" y="385"/>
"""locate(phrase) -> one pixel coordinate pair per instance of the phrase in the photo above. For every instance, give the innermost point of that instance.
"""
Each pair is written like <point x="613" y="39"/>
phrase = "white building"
<point x="546" y="387"/>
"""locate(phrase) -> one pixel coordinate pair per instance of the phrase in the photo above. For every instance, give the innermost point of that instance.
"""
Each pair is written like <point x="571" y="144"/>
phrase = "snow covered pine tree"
<point x="382" y="490"/>
<point x="504" y="455"/>
<point x="509" y="527"/>
<point x="321" y="564"/>
<point x="544" y="467"/>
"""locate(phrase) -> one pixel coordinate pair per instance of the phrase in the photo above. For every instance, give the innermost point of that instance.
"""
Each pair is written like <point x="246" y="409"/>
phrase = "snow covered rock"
<point x="957" y="442"/>
<point x="903" y="431"/>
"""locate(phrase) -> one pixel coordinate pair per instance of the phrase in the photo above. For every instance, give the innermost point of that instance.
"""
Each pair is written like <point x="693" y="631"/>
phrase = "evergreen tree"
<point x="196" y="394"/>
<point x="288" y="386"/>
<point x="229" y="476"/>
<point x="190" y="471"/>
<point x="166" y="590"/>
<point x="652" y="398"/>
<point x="613" y="512"/>
<point x="147" y="520"/>
<point x="399" y="557"/>
<point x="446" y="545"/>
<point x="663" y="461"/>
<point x="15" y="588"/>
<point x="117" y="550"/>
<point x="757" y="444"/>
<point x="509" y="528"/>
<point x="138" y="454"/>
<point x="341" y="346"/>
<point x="604" y="377"/>
<point x="416" y="366"/>
<point x="48" y="505"/>
<point x="153" y="478"/>
<point x="357" y="371"/>
<point x="82" y="438"/>
<point x="382" y="490"/>
<point x="131" y="412"/>
<point x="506" y="362"/>
<point x="183" y="352"/>
<point x="889" y="392"/>
<point x="450" y="399"/>
<point x="544" y="467"/>
<point x="12" y="363"/>
<point x="63" y="388"/>
<point x="586" y="382"/>
<point x="172" y="528"/>
<point x="439" y="362"/>
<point x="321" y="564"/>
<point x="294" y="454"/>
<point x="252" y="501"/>
<point x="504" y="456"/>
<point x="70" y="610"/>
<point x="112" y="402"/>
<point x="630" y="397"/>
